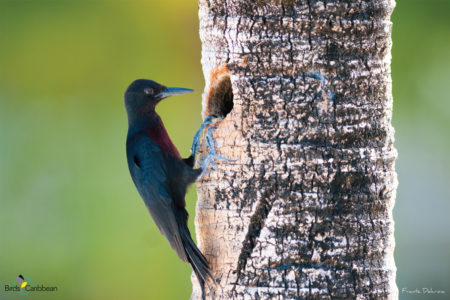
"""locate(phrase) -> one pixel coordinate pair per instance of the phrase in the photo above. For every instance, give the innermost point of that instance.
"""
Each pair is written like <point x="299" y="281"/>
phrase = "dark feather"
<point x="162" y="181"/>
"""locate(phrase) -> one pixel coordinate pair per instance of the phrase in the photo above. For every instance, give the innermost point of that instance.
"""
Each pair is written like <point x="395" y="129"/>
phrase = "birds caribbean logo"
<point x="23" y="282"/>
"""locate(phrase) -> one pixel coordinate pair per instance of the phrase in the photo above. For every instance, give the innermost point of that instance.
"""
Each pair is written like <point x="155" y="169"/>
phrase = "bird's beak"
<point x="170" y="91"/>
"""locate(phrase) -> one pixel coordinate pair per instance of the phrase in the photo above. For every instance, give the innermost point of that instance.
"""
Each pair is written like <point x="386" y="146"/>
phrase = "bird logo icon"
<point x="23" y="282"/>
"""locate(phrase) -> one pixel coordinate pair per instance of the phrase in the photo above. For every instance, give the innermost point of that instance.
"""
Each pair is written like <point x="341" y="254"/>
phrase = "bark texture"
<point x="305" y="210"/>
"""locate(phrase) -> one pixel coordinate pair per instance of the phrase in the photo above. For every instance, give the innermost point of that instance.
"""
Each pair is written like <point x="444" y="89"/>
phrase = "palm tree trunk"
<point x="304" y="90"/>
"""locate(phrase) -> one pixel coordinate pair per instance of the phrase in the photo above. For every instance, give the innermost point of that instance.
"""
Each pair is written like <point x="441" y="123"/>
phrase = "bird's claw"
<point x="196" y="141"/>
<point x="209" y="160"/>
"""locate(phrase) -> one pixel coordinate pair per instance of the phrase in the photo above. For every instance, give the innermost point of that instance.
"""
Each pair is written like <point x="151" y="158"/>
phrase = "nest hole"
<point x="220" y="95"/>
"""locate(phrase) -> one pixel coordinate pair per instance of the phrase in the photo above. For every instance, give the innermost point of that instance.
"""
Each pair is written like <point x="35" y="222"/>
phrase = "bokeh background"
<point x="69" y="213"/>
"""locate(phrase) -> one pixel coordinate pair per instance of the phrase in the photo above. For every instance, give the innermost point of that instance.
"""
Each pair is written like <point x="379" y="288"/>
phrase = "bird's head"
<point x="142" y="95"/>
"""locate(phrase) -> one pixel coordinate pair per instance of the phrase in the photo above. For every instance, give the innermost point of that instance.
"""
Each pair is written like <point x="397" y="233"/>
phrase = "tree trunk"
<point x="304" y="90"/>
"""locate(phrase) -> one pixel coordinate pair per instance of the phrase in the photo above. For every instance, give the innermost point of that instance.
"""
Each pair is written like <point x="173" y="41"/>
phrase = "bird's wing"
<point x="149" y="171"/>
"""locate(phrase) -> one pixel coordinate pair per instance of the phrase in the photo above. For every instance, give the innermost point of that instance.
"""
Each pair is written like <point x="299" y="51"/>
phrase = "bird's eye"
<point x="148" y="91"/>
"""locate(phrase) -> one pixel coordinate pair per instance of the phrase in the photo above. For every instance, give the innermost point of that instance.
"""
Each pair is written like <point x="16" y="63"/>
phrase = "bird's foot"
<point x="196" y="141"/>
<point x="209" y="160"/>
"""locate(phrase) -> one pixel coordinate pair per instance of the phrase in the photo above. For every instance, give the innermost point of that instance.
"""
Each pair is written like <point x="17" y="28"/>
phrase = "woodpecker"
<point x="160" y="174"/>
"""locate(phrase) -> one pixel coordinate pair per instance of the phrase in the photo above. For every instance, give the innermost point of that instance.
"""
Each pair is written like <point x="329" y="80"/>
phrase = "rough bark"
<point x="305" y="210"/>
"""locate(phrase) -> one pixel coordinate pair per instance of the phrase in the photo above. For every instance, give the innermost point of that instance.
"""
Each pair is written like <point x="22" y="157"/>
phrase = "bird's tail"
<point x="198" y="262"/>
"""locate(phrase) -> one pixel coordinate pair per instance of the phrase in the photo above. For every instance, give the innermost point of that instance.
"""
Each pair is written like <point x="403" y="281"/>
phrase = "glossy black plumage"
<point x="160" y="174"/>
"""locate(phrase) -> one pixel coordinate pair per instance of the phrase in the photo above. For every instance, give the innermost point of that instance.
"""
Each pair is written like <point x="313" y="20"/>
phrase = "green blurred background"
<point x="70" y="215"/>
